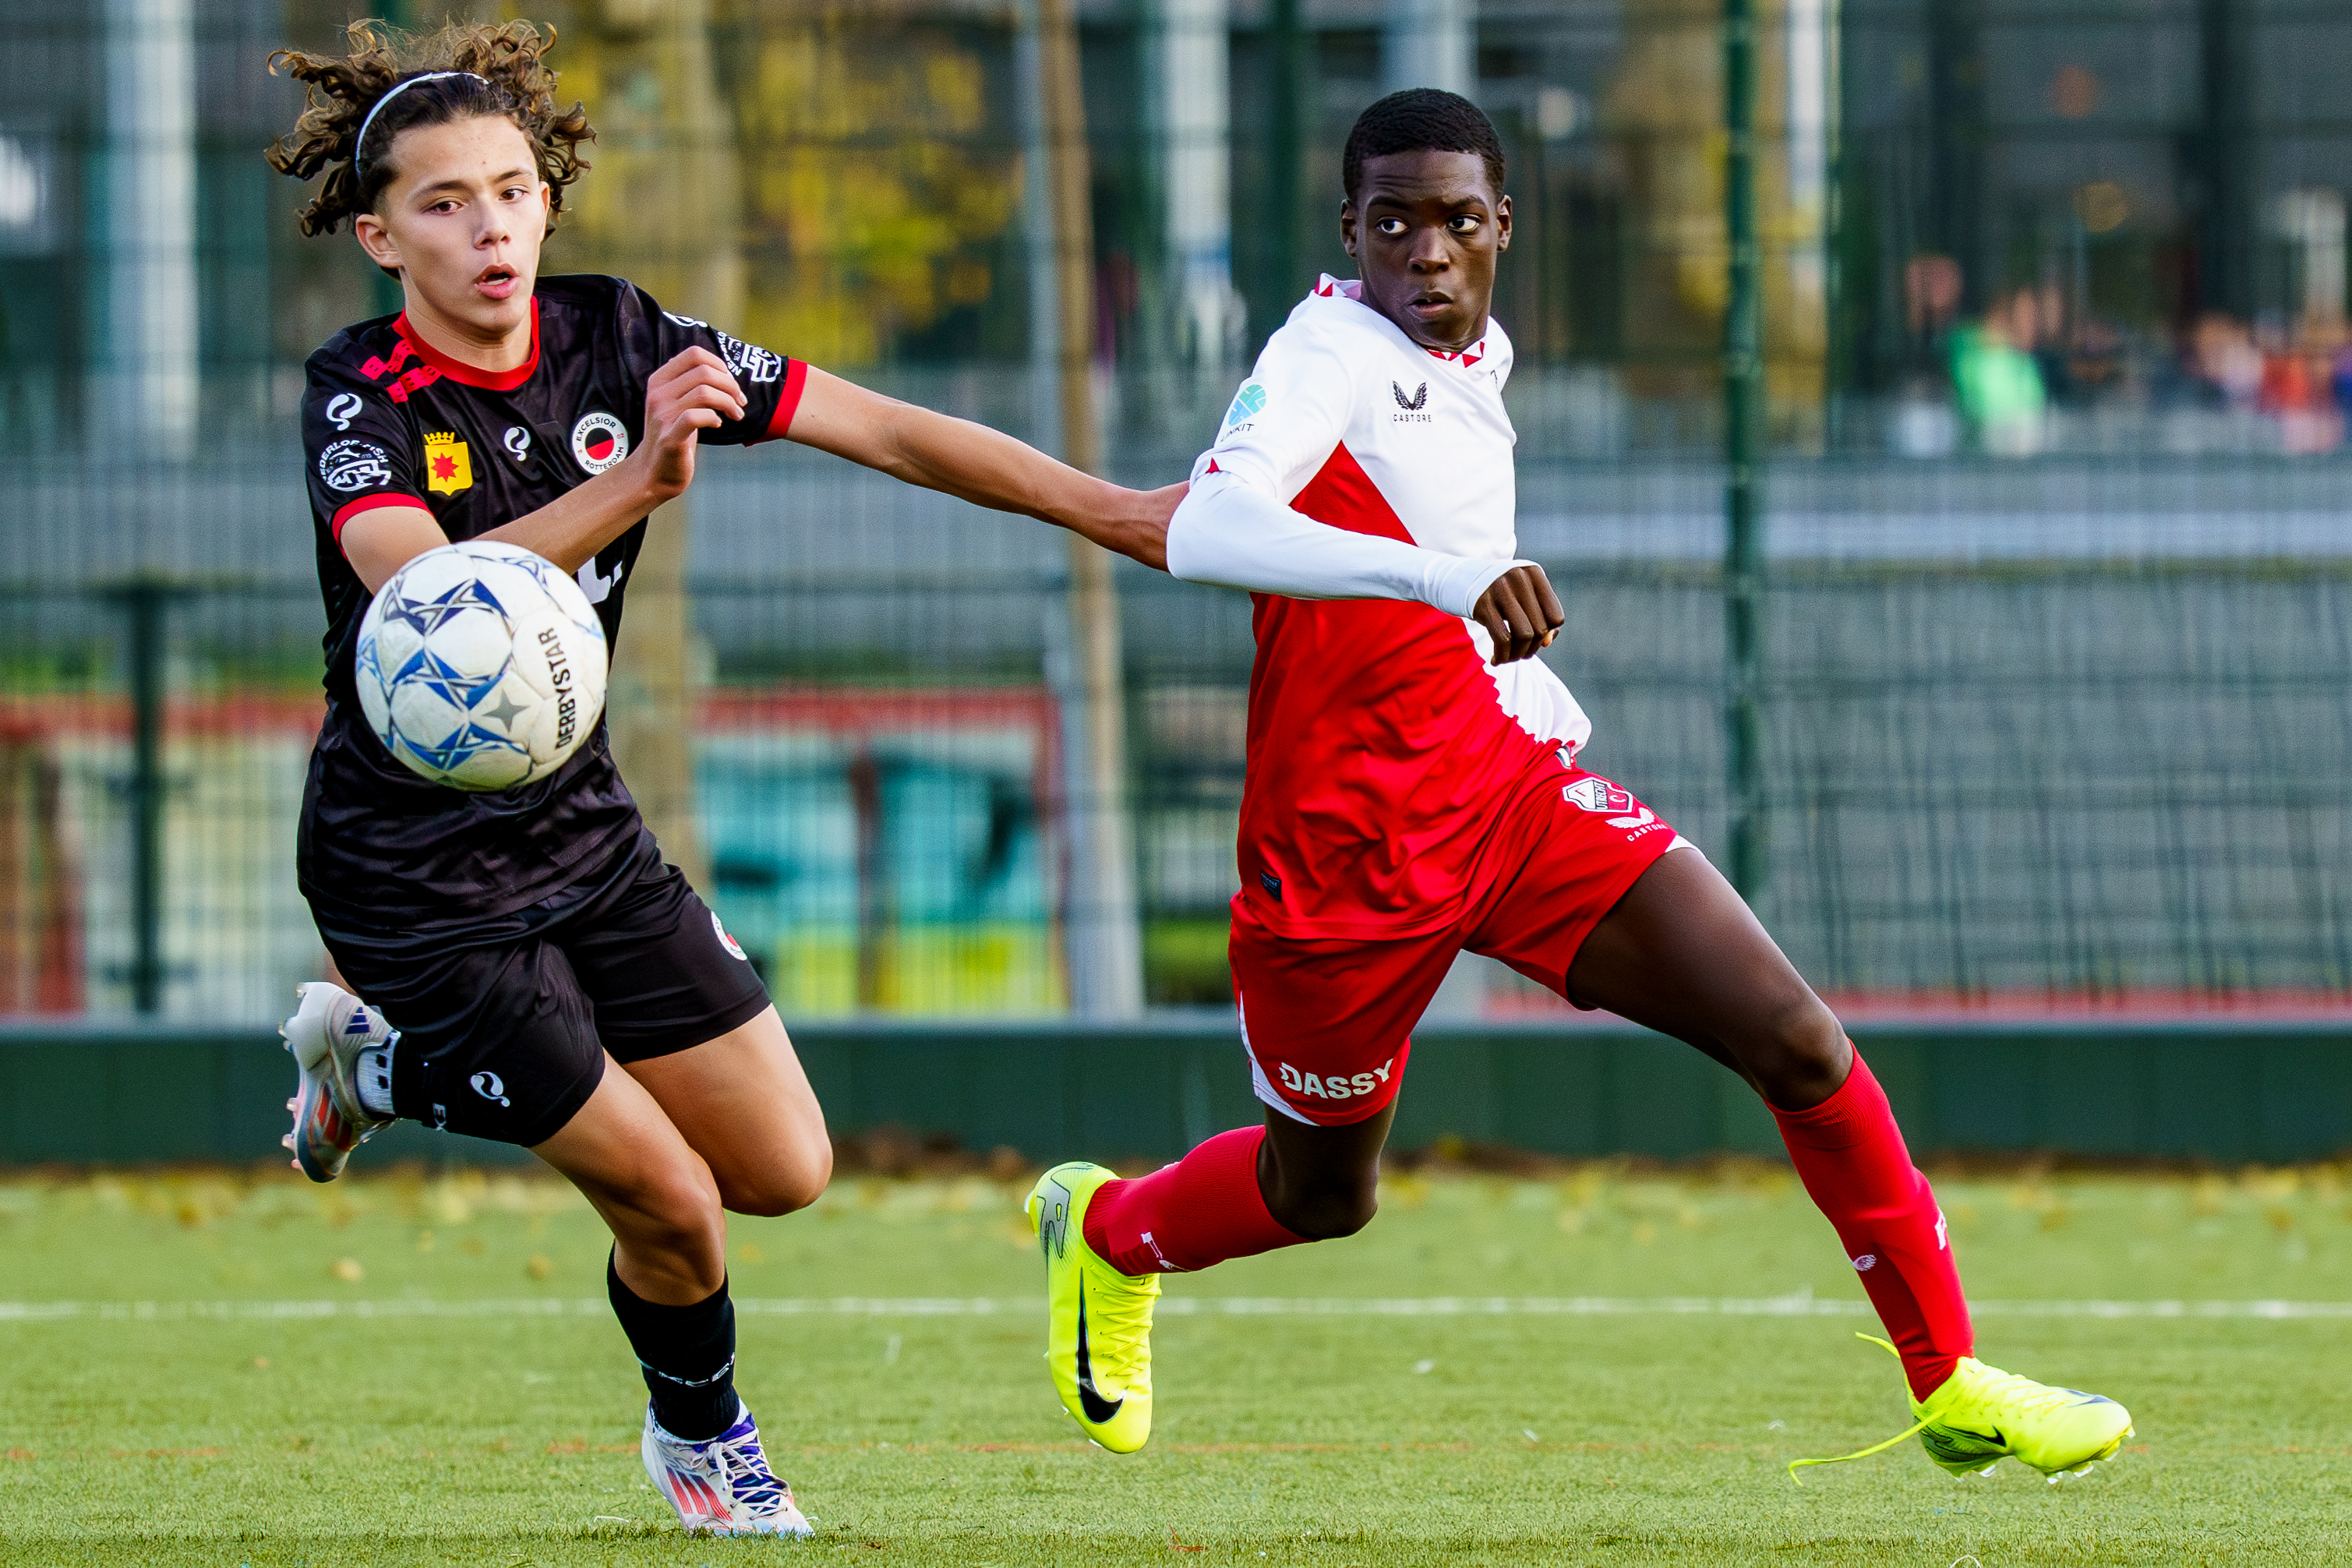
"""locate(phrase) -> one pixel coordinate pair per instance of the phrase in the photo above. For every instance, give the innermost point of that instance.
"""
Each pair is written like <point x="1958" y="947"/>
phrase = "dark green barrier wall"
<point x="2276" y="1092"/>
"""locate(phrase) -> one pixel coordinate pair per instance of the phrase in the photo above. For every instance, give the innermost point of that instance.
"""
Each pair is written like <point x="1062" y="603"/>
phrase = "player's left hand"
<point x="1521" y="612"/>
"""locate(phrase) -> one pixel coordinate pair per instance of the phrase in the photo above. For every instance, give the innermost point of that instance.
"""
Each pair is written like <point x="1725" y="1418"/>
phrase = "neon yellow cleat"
<point x="1098" y="1321"/>
<point x="1983" y="1416"/>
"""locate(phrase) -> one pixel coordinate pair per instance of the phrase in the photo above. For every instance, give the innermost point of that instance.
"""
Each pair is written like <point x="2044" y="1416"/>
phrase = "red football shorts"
<point x="1329" y="1022"/>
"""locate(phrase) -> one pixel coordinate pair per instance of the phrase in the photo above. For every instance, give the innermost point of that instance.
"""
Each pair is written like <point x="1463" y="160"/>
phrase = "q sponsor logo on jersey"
<point x="599" y="441"/>
<point x="354" y="466"/>
<point x="343" y="409"/>
<point x="1332" y="1086"/>
<point x="490" y="1087"/>
<point x="447" y="466"/>
<point x="517" y="441"/>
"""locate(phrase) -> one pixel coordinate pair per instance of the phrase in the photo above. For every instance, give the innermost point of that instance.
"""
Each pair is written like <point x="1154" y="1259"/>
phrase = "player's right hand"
<point x="693" y="393"/>
<point x="1521" y="612"/>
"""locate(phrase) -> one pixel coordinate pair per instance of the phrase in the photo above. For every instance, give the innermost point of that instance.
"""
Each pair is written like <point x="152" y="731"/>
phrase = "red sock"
<point x="1201" y="1210"/>
<point x="1850" y="1155"/>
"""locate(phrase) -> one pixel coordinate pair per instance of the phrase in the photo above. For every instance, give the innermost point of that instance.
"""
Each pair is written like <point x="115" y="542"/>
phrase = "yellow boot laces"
<point x="1122" y="1324"/>
<point x="1911" y="1431"/>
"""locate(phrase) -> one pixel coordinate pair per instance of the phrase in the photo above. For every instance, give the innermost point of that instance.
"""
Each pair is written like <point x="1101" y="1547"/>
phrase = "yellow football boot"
<point x="1098" y="1321"/>
<point x="1983" y="1416"/>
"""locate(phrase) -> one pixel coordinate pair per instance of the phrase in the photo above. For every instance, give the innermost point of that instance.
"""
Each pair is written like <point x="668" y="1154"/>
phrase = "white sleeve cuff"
<point x="1229" y="534"/>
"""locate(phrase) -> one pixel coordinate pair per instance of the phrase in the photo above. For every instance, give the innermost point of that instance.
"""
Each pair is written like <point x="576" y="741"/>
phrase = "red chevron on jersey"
<point x="1383" y="748"/>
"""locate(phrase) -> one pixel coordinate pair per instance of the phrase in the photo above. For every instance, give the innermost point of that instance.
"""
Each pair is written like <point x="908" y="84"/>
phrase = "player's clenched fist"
<point x="1520" y="612"/>
<point x="693" y="391"/>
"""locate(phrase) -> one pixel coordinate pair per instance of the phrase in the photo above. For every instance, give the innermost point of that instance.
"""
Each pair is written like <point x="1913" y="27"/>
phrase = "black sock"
<point x="688" y="1354"/>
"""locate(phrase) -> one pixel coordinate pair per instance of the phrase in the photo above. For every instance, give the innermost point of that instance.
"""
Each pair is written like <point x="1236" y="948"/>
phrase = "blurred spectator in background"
<point x="1923" y="423"/>
<point x="2297" y="387"/>
<point x="1997" y="381"/>
<point x="2222" y="355"/>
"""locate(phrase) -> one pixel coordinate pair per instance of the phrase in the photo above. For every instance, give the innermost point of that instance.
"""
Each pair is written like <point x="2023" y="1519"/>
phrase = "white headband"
<point x="396" y="93"/>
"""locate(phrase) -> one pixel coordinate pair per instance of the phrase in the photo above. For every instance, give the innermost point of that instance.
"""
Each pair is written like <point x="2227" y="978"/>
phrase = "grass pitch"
<point x="500" y="1428"/>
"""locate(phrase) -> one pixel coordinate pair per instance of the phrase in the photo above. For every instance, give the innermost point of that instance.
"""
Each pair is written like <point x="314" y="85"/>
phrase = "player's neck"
<point x="495" y="349"/>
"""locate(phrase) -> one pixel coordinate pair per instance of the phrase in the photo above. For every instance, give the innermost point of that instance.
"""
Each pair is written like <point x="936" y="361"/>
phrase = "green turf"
<point x="1296" y="1440"/>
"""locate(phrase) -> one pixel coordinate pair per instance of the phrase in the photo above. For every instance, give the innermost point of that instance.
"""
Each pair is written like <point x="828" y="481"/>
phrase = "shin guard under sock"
<point x="1201" y="1210"/>
<point x="1850" y="1155"/>
<point x="688" y="1354"/>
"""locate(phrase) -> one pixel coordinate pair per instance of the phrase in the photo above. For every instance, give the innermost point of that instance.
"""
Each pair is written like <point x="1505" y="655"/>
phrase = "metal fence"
<point x="2054" y="688"/>
<point x="2052" y="734"/>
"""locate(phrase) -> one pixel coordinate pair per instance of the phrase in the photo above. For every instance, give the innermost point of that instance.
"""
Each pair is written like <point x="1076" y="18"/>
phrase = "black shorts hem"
<point x="701" y="1032"/>
<point x="561" y="1112"/>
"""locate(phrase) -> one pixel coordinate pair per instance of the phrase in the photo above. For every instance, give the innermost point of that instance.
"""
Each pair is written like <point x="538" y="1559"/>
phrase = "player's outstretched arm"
<point x="980" y="465"/>
<point x="1232" y="534"/>
<point x="693" y="393"/>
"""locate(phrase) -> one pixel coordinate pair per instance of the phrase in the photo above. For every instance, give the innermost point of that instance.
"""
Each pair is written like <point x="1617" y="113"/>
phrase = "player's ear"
<point x="1348" y="226"/>
<point x="375" y="239"/>
<point x="1503" y="223"/>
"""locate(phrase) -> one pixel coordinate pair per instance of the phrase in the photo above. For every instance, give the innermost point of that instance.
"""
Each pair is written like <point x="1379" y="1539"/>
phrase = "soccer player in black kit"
<point x="513" y="949"/>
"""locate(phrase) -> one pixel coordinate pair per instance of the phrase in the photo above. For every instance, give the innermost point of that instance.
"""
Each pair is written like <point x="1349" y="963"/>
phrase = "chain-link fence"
<point x="2056" y="673"/>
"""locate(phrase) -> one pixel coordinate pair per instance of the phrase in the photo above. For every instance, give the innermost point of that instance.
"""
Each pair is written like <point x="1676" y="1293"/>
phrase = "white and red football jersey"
<point x="1383" y="744"/>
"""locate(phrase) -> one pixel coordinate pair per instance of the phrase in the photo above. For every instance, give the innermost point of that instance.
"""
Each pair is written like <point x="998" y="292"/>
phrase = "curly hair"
<point x="499" y="71"/>
<point x="1420" y="119"/>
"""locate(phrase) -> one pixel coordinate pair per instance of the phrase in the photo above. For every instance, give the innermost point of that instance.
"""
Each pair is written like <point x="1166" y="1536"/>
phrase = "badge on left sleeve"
<point x="447" y="469"/>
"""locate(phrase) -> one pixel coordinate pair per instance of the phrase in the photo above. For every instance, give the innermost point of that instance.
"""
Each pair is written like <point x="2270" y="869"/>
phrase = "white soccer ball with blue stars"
<point x="481" y="666"/>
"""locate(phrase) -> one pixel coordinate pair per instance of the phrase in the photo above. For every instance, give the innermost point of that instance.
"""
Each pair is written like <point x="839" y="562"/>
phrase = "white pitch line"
<point x="1800" y="1305"/>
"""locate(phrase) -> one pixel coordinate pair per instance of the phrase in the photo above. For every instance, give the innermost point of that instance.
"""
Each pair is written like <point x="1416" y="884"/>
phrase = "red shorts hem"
<point x="1327" y="1021"/>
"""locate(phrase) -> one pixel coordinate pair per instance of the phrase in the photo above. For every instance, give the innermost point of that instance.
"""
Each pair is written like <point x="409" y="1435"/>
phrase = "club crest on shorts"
<point x="1596" y="794"/>
<point x="728" y="942"/>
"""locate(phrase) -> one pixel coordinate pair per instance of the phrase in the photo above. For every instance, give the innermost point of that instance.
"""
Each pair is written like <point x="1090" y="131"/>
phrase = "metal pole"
<point x="1282" y="156"/>
<point x="143" y="604"/>
<point x="1105" y="940"/>
<point x="1743" y="446"/>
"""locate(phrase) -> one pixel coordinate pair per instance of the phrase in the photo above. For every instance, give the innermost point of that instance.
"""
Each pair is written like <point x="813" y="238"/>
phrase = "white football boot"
<point x="329" y="1030"/>
<point x="722" y="1485"/>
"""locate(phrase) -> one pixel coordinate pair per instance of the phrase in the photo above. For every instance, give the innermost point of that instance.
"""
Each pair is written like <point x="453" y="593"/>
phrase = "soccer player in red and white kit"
<point x="1413" y="790"/>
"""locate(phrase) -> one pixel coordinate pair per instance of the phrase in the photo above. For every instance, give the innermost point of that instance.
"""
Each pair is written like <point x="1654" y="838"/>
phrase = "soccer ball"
<point x="481" y="666"/>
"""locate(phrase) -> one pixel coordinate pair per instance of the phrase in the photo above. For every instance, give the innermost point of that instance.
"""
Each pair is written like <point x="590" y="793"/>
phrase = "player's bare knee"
<point x="1328" y="1212"/>
<point x="1799" y="1055"/>
<point x="678" y="1209"/>
<point x="791" y="1181"/>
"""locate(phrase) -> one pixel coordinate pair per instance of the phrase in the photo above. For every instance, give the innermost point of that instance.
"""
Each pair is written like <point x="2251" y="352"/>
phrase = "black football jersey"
<point x="389" y="421"/>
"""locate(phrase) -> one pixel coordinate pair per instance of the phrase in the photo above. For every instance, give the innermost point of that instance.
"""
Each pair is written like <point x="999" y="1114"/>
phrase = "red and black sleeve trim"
<point x="788" y="401"/>
<point x="351" y="508"/>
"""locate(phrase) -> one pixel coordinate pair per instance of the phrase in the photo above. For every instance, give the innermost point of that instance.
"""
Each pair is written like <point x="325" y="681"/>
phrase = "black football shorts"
<point x="505" y="1022"/>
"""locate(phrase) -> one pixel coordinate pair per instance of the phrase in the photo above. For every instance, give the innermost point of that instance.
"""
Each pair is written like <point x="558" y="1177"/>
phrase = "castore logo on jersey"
<point x="599" y="441"/>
